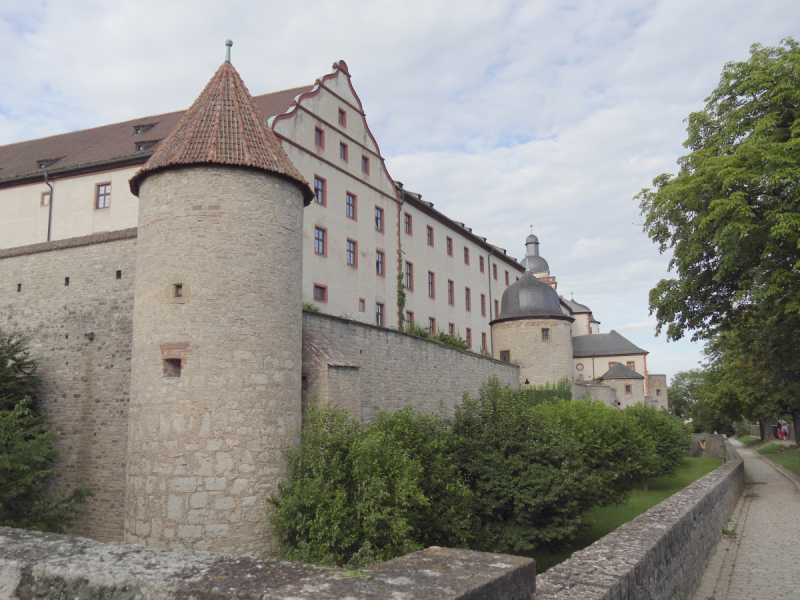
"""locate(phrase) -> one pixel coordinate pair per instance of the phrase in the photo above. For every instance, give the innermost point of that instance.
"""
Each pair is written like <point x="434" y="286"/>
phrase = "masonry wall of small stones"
<point x="662" y="553"/>
<point x="81" y="334"/>
<point x="546" y="361"/>
<point x="396" y="369"/>
<point x="582" y="390"/>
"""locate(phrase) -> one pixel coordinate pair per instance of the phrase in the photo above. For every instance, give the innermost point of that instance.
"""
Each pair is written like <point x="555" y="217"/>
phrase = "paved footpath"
<point x="762" y="560"/>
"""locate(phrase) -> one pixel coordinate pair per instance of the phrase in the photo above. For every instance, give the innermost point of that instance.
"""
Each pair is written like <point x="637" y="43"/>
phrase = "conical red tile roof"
<point x="223" y="126"/>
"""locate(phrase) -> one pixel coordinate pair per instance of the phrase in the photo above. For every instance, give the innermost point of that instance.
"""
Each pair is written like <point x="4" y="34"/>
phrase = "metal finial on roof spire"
<point x="531" y="225"/>
<point x="228" y="43"/>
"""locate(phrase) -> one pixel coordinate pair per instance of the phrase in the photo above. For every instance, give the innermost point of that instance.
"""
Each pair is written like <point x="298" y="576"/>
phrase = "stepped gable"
<point x="620" y="371"/>
<point x="223" y="126"/>
<point x="604" y="344"/>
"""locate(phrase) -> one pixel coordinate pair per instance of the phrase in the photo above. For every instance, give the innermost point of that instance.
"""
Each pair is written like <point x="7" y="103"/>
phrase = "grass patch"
<point x="771" y="449"/>
<point x="602" y="521"/>
<point x="749" y="440"/>
<point x="789" y="460"/>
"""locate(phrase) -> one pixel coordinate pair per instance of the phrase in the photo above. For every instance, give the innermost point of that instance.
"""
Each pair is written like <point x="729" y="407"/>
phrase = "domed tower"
<point x="532" y="261"/>
<point x="217" y="328"/>
<point x="533" y="332"/>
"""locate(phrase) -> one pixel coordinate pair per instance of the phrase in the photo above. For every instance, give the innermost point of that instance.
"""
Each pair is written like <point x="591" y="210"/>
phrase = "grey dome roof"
<point x="529" y="297"/>
<point x="536" y="264"/>
<point x="531" y="239"/>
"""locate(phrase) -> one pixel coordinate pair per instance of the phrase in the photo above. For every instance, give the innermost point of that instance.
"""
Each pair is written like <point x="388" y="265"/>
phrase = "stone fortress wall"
<point x="369" y="369"/>
<point x="82" y="335"/>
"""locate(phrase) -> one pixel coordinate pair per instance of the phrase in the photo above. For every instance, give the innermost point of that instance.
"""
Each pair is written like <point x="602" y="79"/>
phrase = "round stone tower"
<point x="533" y="332"/>
<point x="217" y="328"/>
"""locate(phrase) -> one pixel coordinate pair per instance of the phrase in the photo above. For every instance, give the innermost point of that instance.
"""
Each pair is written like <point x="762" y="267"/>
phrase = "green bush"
<point x="669" y="435"/>
<point x="615" y="448"/>
<point x="27" y="454"/>
<point x="358" y="494"/>
<point x="526" y="475"/>
<point x="454" y="341"/>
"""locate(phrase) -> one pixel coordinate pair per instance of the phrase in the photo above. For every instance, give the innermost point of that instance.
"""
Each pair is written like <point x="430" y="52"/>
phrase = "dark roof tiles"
<point x="604" y="344"/>
<point x="620" y="371"/>
<point x="223" y="127"/>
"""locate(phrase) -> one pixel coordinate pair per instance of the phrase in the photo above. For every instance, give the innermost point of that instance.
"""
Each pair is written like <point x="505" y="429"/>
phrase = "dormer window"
<point x="43" y="164"/>
<point x="140" y="146"/>
<point x="140" y="129"/>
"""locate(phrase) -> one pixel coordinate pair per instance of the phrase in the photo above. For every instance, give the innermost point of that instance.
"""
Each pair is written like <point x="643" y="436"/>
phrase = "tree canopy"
<point x="731" y="216"/>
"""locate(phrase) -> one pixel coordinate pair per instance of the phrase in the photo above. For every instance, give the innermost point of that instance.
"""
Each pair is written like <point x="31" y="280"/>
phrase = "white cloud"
<point x="498" y="112"/>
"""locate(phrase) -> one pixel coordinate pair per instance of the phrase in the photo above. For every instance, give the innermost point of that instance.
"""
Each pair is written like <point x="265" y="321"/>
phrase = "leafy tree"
<point x="731" y="217"/>
<point x="27" y="454"/>
<point x="526" y="475"/>
<point x="688" y="393"/>
<point x="669" y="435"/>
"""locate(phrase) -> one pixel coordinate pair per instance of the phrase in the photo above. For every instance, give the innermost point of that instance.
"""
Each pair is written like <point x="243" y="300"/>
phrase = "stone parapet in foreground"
<point x="661" y="554"/>
<point x="44" y="565"/>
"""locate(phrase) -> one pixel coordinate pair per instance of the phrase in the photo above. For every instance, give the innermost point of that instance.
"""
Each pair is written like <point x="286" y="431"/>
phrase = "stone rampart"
<point x="39" y="565"/>
<point x="74" y="300"/>
<point x="661" y="554"/>
<point x="369" y="369"/>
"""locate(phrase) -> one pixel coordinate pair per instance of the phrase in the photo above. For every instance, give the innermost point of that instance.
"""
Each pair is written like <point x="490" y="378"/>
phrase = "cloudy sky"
<point x="497" y="112"/>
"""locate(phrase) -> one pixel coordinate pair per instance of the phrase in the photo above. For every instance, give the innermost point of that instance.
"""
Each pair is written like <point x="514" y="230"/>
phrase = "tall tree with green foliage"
<point x="27" y="454"/>
<point x="731" y="216"/>
<point x="688" y="399"/>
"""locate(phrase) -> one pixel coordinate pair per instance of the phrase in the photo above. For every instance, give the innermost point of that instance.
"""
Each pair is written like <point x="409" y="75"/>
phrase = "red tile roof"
<point x="112" y="144"/>
<point x="223" y="126"/>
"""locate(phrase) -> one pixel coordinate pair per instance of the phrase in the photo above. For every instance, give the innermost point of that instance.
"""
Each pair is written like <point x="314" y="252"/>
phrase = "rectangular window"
<point x="409" y="276"/>
<point x="480" y="263"/>
<point x="628" y="389"/>
<point x="320" y="292"/>
<point x="506" y="277"/>
<point x="432" y="325"/>
<point x="431" y="285"/>
<point x="103" y="195"/>
<point x="319" y="137"/>
<point x="545" y="335"/>
<point x="451" y="329"/>
<point x="466" y="255"/>
<point x="350" y="205"/>
<point x="494" y="272"/>
<point x="467" y="298"/>
<point x="379" y="263"/>
<point x="611" y="364"/>
<point x="319" y="190"/>
<point x="365" y="165"/>
<point x="449" y="246"/>
<point x="352" y="253"/>
<point x="450" y="299"/>
<point x="505" y="356"/>
<point x="378" y="219"/>
<point x="343" y="151"/>
<point x="658" y="392"/>
<point x="407" y="223"/>
<point x="483" y="341"/>
<point x="342" y="118"/>
<point x="483" y="305"/>
<point x="631" y="364"/>
<point x="430" y="235"/>
<point x="379" y="314"/>
<point x="469" y="338"/>
<point x="320" y="247"/>
<point x="362" y="305"/>
<point x="496" y="309"/>
<point x="45" y="199"/>
<point x="409" y="316"/>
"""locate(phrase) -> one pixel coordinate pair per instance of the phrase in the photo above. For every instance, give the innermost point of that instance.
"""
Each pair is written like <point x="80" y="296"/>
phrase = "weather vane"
<point x="228" y="43"/>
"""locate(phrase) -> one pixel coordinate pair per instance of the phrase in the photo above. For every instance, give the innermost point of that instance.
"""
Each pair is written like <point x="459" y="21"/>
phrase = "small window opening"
<point x="140" y="129"/>
<point x="43" y="164"/>
<point x="19" y="287"/>
<point x="119" y="274"/>
<point x="66" y="280"/>
<point x="505" y="356"/>
<point x="172" y="367"/>
<point x="178" y="290"/>
<point x="545" y="335"/>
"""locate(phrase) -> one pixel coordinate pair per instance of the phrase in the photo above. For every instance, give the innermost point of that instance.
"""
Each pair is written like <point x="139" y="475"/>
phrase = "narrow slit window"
<point x="66" y="280"/>
<point x="119" y="274"/>
<point x="177" y="290"/>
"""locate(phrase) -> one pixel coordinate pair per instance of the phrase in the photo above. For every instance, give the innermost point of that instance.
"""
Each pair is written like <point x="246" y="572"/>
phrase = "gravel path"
<point x="762" y="560"/>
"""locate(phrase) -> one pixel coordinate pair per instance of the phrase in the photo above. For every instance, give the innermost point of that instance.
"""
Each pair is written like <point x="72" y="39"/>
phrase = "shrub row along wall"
<point x="661" y="554"/>
<point x="34" y="565"/>
<point x="369" y="369"/>
<point x="74" y="300"/>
